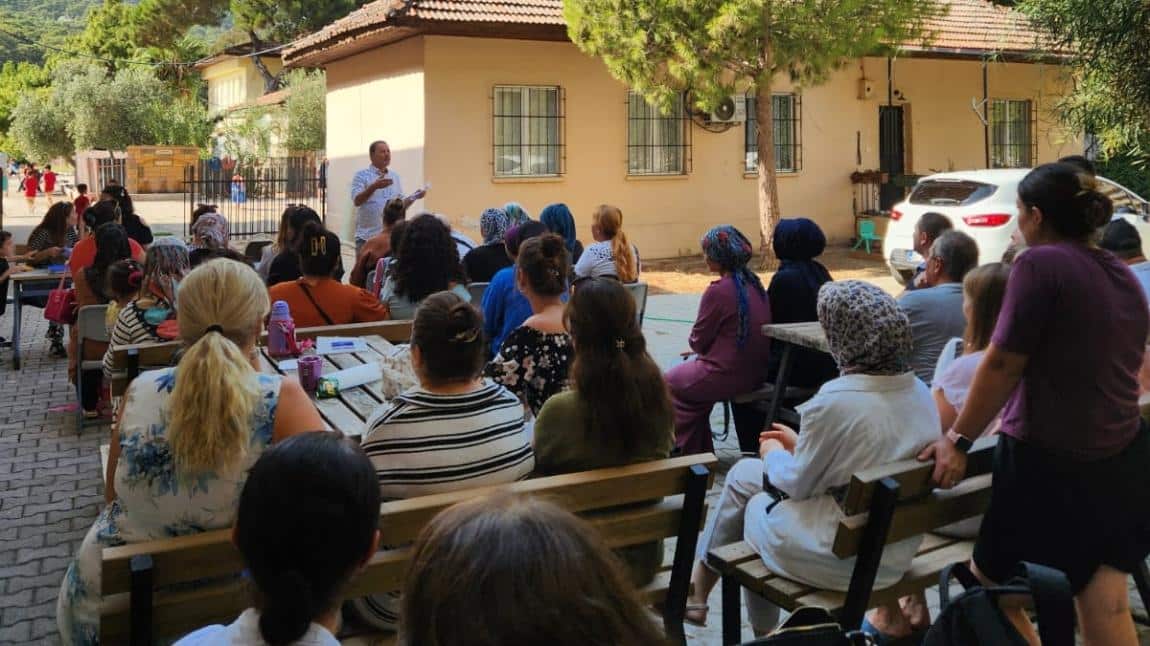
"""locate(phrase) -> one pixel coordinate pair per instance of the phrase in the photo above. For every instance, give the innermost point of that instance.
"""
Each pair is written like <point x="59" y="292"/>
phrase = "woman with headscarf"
<point x="210" y="231"/>
<point x="516" y="214"/>
<point x="504" y="306"/>
<point x="727" y="338"/>
<point x="558" y="220"/>
<point x="794" y="295"/>
<point x="875" y="413"/>
<point x="482" y="262"/>
<point x="151" y="316"/>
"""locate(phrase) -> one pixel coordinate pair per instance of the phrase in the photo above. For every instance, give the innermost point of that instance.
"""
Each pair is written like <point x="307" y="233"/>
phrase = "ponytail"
<point x="624" y="258"/>
<point x="287" y="607"/>
<point x="307" y="518"/>
<point x="216" y="393"/>
<point x="609" y="219"/>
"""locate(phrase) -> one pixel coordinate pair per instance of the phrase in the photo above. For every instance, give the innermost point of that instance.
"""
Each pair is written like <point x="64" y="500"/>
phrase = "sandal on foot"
<point x="700" y="611"/>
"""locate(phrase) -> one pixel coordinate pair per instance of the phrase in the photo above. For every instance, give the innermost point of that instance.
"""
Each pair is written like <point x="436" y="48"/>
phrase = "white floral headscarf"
<point x="866" y="331"/>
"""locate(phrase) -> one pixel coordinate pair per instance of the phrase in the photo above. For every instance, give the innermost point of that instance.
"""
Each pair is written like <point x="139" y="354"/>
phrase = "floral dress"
<point x="533" y="364"/>
<point x="152" y="502"/>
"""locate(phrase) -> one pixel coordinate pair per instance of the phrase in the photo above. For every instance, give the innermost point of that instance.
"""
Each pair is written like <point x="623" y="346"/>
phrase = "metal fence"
<point x="254" y="196"/>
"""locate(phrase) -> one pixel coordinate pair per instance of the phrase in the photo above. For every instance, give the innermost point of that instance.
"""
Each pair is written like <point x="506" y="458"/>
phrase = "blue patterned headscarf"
<point x="516" y="215"/>
<point x="558" y="220"/>
<point x="728" y="248"/>
<point x="493" y="225"/>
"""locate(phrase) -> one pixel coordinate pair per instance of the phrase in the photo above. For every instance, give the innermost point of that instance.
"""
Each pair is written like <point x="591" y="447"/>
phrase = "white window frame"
<point x="526" y="142"/>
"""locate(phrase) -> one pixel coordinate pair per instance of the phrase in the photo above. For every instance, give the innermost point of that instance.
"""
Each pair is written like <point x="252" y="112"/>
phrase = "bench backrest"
<point x="678" y="485"/>
<point x="129" y="360"/>
<point x="918" y="507"/>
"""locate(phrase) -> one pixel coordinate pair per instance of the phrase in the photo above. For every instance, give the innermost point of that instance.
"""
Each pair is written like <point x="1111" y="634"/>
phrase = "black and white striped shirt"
<point x="426" y="443"/>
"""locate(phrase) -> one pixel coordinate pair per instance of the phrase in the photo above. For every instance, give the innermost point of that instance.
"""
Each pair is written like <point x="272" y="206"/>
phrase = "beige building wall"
<point x="665" y="216"/>
<point x="233" y="81"/>
<point x="375" y="95"/>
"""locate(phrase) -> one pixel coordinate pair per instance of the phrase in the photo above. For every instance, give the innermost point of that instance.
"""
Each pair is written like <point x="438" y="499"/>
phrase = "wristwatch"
<point x="961" y="442"/>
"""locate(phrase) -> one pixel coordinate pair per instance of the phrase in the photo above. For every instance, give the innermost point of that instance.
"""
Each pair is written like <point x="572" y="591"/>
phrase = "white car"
<point x="982" y="204"/>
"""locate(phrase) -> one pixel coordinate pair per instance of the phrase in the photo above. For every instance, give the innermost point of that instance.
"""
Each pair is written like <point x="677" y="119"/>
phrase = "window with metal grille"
<point x="528" y="131"/>
<point x="1013" y="139"/>
<point x="788" y="120"/>
<point x="657" y="143"/>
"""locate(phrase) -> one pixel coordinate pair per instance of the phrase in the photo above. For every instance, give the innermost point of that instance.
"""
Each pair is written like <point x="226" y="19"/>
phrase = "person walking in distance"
<point x="49" y="181"/>
<point x="372" y="188"/>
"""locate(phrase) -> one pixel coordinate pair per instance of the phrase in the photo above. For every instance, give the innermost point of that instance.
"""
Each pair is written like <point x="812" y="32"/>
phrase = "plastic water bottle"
<point x="281" y="331"/>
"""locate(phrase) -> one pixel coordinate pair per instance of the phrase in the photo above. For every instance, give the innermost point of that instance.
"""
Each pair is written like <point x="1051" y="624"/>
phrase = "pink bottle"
<point x="281" y="331"/>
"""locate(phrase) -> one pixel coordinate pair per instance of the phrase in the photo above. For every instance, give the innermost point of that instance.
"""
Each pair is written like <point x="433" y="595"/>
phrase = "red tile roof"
<point x="970" y="27"/>
<point x="977" y="27"/>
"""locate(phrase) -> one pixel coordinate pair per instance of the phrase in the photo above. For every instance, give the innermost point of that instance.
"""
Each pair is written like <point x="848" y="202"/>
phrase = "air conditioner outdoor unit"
<point x="732" y="109"/>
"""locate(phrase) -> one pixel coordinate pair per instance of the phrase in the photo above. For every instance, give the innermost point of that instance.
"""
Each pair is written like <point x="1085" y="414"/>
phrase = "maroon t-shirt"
<point x="1081" y="318"/>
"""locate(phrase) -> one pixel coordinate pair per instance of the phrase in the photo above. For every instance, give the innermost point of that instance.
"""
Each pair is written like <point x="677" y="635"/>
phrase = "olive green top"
<point x="562" y="445"/>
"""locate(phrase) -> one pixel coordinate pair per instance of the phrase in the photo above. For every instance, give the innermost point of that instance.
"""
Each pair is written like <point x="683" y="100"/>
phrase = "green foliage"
<point x="713" y="47"/>
<point x="48" y="22"/>
<point x="85" y="108"/>
<point x="246" y="135"/>
<point x="306" y="111"/>
<point x="1128" y="171"/>
<point x="39" y="127"/>
<point x="1108" y="45"/>
<point x="108" y="33"/>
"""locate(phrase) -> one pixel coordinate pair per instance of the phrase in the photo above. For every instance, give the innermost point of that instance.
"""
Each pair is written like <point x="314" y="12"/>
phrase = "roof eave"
<point x="980" y="54"/>
<point x="360" y="40"/>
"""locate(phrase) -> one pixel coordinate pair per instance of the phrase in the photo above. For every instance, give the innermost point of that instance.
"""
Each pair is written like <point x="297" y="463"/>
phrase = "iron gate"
<point x="253" y="196"/>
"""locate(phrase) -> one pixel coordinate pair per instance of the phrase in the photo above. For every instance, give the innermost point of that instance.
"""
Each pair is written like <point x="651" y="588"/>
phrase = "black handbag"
<point x="974" y="617"/>
<point x="812" y="627"/>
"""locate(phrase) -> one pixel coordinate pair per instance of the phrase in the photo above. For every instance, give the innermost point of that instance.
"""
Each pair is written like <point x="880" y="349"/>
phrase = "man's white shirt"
<point x="369" y="215"/>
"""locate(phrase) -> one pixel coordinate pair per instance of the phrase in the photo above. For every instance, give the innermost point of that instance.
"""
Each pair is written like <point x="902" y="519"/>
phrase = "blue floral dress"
<point x="152" y="502"/>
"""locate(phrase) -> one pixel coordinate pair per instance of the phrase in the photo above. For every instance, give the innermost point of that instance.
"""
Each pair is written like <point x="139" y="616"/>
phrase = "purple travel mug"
<point x="310" y="370"/>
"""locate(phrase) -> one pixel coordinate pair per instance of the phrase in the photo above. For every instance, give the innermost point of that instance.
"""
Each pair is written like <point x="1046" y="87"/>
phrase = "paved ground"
<point x="51" y="490"/>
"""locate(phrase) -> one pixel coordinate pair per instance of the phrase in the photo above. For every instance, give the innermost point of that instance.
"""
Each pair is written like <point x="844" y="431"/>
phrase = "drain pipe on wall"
<point x="986" y="113"/>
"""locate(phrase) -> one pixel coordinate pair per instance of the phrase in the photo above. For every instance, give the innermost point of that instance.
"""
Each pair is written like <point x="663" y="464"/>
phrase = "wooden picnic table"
<point x="348" y="412"/>
<point x="29" y="284"/>
<point x="804" y="335"/>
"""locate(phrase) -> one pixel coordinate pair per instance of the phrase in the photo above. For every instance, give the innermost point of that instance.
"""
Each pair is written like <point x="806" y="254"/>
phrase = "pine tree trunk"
<point x="271" y="81"/>
<point x="764" y="116"/>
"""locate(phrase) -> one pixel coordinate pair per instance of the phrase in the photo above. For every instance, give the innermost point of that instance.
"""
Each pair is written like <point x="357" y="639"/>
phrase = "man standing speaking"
<point x="371" y="188"/>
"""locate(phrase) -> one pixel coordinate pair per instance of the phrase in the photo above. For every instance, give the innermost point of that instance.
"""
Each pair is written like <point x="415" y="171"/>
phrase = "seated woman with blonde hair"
<point x="186" y="436"/>
<point x="556" y="582"/>
<point x="611" y="255"/>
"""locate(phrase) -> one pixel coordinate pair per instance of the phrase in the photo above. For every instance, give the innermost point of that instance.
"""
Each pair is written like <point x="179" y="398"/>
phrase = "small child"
<point x="81" y="203"/>
<point x="124" y="280"/>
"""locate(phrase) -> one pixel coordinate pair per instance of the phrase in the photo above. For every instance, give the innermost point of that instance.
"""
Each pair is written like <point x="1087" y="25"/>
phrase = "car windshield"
<point x="938" y="192"/>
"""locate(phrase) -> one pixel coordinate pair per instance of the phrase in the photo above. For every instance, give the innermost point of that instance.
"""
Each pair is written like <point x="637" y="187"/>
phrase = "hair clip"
<point x="136" y="278"/>
<point x="466" y="336"/>
<point x="319" y="246"/>
<point x="620" y="343"/>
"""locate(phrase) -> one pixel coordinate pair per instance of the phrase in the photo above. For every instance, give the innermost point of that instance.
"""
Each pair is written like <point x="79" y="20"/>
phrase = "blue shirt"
<point x="504" y="308"/>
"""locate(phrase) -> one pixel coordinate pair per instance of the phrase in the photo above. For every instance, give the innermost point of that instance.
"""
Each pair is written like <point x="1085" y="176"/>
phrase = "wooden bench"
<point x="882" y="505"/>
<point x="135" y="608"/>
<point x="129" y="360"/>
